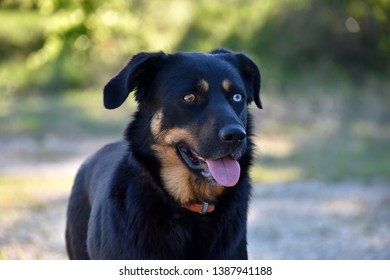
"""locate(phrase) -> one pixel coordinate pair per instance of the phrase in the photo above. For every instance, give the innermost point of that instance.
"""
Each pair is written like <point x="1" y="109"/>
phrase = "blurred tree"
<point x="347" y="37"/>
<point x="81" y="35"/>
<point x="75" y="32"/>
<point x="353" y="36"/>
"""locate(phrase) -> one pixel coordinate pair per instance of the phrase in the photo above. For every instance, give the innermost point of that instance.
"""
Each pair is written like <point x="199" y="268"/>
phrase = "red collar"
<point x="201" y="208"/>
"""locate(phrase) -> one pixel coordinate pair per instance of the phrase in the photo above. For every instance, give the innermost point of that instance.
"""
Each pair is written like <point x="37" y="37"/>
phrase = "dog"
<point x="177" y="186"/>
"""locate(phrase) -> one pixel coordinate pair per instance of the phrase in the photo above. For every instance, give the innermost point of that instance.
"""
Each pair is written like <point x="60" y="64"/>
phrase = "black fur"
<point x="120" y="207"/>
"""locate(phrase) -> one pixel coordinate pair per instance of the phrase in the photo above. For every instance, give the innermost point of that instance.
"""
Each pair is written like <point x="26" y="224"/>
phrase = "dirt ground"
<point x="318" y="220"/>
<point x="295" y="220"/>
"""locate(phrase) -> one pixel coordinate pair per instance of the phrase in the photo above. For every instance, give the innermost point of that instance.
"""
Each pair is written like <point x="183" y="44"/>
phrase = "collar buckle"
<point x="204" y="208"/>
<point x="201" y="208"/>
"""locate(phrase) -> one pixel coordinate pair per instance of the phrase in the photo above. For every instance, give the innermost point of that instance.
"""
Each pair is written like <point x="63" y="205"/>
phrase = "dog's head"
<point x="195" y="107"/>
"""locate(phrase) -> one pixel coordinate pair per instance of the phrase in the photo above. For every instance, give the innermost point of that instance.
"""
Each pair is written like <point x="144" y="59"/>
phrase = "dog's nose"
<point x="233" y="134"/>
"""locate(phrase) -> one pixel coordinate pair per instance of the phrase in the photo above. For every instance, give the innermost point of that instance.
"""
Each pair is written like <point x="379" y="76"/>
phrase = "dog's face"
<point x="197" y="109"/>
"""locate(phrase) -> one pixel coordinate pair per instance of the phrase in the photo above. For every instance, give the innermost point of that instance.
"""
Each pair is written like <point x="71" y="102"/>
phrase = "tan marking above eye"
<point x="203" y="85"/>
<point x="227" y="85"/>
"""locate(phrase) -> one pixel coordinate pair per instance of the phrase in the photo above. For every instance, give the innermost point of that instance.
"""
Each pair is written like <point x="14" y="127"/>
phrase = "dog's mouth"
<point x="224" y="170"/>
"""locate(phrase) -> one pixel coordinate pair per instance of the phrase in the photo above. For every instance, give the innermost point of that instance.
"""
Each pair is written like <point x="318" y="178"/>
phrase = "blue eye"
<point x="237" y="97"/>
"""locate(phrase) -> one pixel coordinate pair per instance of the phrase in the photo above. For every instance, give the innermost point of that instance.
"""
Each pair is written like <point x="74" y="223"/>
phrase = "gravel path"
<point x="300" y="220"/>
<point x="317" y="220"/>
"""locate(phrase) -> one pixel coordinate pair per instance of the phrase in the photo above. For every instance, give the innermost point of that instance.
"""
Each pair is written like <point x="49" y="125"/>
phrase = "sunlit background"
<point x="322" y="172"/>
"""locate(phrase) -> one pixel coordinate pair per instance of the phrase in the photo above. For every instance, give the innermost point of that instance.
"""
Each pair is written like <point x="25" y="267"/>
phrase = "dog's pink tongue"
<point x="226" y="171"/>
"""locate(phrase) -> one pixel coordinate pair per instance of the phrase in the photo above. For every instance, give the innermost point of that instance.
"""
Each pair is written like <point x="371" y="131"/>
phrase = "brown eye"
<point x="189" y="98"/>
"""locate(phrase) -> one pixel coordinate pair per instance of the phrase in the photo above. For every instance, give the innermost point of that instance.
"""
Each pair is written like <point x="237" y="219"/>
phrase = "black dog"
<point x="178" y="186"/>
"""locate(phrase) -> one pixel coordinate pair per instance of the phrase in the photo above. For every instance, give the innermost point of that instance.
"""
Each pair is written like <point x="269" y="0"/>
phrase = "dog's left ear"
<point x="137" y="75"/>
<point x="248" y="70"/>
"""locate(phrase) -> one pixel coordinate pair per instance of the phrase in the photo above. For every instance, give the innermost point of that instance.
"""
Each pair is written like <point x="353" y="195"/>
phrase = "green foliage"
<point x="347" y="34"/>
<point x="64" y="43"/>
<point x="80" y="37"/>
<point x="344" y="39"/>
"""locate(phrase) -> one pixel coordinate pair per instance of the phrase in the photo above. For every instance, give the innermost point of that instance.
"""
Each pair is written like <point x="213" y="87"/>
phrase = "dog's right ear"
<point x="137" y="75"/>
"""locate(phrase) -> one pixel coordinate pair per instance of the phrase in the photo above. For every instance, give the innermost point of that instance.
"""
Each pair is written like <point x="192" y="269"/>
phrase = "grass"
<point x="336" y="157"/>
<point x="69" y="114"/>
<point x="344" y="158"/>
<point x="30" y="190"/>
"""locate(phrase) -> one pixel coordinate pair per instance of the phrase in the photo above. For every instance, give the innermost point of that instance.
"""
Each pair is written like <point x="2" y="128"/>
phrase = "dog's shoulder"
<point x="94" y="172"/>
<point x="111" y="152"/>
<point x="108" y="155"/>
